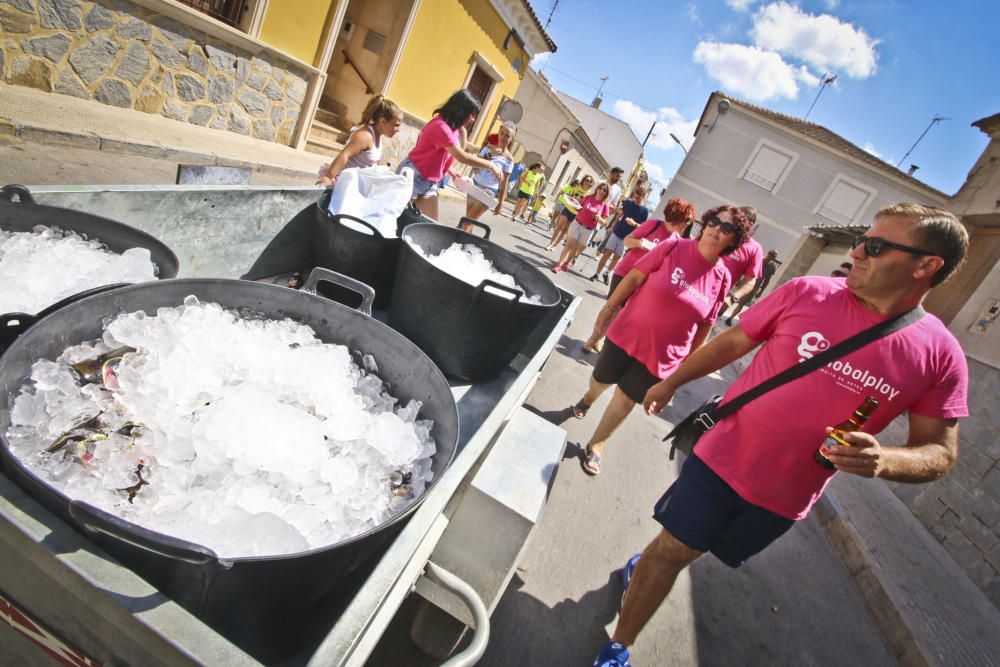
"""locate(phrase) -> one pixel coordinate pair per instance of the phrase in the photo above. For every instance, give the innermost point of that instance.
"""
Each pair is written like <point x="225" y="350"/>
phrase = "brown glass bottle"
<point x="853" y="423"/>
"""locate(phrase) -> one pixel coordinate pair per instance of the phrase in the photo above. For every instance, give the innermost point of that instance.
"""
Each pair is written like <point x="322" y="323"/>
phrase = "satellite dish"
<point x="511" y="111"/>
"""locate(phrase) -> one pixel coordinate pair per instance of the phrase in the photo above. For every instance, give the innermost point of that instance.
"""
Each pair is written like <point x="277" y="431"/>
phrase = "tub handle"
<point x="13" y="325"/>
<point x="476" y="223"/>
<point x="22" y="193"/>
<point x="94" y="520"/>
<point x="497" y="286"/>
<point x="343" y="216"/>
<point x="320" y="274"/>
<point x="471" y="655"/>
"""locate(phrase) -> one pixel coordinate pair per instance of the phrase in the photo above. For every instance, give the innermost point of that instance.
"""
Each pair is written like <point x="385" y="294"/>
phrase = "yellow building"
<point x="289" y="71"/>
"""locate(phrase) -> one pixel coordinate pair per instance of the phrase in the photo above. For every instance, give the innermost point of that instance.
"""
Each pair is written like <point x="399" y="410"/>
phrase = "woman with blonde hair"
<point x="499" y="154"/>
<point x="380" y="118"/>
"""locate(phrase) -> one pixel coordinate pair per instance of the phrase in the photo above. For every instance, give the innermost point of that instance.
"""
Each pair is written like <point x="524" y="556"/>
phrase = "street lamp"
<point x="674" y="137"/>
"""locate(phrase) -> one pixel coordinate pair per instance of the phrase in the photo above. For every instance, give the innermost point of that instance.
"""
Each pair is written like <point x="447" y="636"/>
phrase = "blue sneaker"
<point x="628" y="570"/>
<point x="613" y="654"/>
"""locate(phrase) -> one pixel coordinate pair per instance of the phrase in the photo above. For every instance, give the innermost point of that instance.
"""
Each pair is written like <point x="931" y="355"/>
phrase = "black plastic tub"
<point x="470" y="333"/>
<point x="355" y="248"/>
<point x="269" y="606"/>
<point x="20" y="213"/>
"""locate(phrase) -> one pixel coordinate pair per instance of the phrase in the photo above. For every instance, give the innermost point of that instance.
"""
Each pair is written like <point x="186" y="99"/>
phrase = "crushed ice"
<point x="46" y="265"/>
<point x="469" y="264"/>
<point x="247" y="435"/>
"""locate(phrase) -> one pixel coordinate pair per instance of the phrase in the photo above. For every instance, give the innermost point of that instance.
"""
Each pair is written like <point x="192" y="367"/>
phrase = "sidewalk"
<point x="30" y="116"/>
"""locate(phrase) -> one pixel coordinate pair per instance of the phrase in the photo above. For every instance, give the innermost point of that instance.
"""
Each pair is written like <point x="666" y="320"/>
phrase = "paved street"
<point x="792" y="605"/>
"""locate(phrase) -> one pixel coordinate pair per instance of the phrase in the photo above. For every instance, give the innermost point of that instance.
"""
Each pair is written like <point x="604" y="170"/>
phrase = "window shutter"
<point x="843" y="203"/>
<point x="767" y="167"/>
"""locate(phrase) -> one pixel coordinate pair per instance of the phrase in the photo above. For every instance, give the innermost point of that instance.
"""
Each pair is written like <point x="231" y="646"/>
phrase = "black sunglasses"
<point x="875" y="246"/>
<point x="725" y="227"/>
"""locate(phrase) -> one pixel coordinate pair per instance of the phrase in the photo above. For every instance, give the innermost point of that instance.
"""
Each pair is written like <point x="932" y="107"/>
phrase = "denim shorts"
<point x="568" y="214"/>
<point x="706" y="514"/>
<point x="421" y="186"/>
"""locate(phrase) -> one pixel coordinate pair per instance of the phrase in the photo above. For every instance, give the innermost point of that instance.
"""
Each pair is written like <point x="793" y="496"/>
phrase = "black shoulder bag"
<point x="686" y="433"/>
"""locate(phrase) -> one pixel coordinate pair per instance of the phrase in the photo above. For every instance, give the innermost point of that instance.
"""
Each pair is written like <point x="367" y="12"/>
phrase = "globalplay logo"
<point x="677" y="278"/>
<point x="814" y="342"/>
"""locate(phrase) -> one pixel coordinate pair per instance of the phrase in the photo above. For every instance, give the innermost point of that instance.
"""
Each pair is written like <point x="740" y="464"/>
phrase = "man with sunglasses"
<point x="752" y="475"/>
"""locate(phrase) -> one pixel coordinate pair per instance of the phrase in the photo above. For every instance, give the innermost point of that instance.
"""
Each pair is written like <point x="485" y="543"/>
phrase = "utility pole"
<point x="828" y="80"/>
<point x="937" y="119"/>
<point x="649" y="134"/>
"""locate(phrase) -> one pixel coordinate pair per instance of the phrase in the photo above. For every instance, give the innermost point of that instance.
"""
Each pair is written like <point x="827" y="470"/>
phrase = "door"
<point x="480" y="85"/>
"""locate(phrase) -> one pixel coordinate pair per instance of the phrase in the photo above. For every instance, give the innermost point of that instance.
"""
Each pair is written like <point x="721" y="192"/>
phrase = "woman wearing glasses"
<point x="663" y="309"/>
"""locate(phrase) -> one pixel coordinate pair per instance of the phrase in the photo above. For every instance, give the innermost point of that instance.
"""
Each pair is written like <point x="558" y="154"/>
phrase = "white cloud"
<point x="747" y="70"/>
<point x="667" y="120"/>
<point x="740" y="5"/>
<point x="806" y="77"/>
<point x="823" y="41"/>
<point x="539" y="60"/>
<point x="657" y="176"/>
<point x="692" y="14"/>
<point x="831" y="4"/>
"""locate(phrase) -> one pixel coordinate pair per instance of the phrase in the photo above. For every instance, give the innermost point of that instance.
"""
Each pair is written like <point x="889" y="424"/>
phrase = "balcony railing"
<point x="227" y="11"/>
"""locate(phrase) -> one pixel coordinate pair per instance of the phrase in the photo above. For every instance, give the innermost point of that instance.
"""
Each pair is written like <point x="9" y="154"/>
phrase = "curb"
<point x="14" y="133"/>
<point x="928" y="611"/>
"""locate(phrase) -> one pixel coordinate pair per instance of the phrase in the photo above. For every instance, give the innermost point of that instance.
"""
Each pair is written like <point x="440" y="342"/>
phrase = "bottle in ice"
<point x="853" y="423"/>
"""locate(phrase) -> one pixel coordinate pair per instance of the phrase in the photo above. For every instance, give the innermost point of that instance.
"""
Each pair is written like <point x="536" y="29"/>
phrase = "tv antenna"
<point x="934" y="121"/>
<point x="828" y="80"/>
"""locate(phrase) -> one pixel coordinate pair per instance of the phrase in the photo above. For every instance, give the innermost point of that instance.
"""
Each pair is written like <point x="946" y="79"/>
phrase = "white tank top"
<point x="370" y="157"/>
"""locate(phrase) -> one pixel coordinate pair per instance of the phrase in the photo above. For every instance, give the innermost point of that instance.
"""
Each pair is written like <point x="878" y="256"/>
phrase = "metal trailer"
<point x="63" y="600"/>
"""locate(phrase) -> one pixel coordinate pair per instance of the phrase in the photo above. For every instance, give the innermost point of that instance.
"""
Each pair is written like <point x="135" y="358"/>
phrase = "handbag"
<point x="687" y="431"/>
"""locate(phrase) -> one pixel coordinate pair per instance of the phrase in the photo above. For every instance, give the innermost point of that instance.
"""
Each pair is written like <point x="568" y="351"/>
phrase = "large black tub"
<point x="20" y="213"/>
<point x="471" y="333"/>
<point x="269" y="606"/>
<point x="354" y="247"/>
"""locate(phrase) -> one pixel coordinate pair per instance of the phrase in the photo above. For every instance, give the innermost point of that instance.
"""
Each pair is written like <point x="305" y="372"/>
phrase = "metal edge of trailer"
<point x="363" y="622"/>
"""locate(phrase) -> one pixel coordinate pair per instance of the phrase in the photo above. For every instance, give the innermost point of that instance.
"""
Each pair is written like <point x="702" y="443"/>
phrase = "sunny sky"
<point x="898" y="64"/>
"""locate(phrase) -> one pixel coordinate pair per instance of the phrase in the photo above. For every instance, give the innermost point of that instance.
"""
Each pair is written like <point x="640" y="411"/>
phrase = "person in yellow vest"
<point x="530" y="182"/>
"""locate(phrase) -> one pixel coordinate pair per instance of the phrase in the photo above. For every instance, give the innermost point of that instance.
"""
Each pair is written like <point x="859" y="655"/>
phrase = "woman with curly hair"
<point x="678" y="216"/>
<point x="662" y="311"/>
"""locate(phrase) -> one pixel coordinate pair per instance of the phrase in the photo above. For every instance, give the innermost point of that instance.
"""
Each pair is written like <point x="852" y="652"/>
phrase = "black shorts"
<point x="523" y="195"/>
<point x="702" y="511"/>
<point x="567" y="214"/>
<point x="616" y="280"/>
<point x="616" y="366"/>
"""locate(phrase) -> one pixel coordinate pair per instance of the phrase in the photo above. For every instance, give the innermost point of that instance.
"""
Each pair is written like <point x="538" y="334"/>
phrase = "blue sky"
<point x="898" y="64"/>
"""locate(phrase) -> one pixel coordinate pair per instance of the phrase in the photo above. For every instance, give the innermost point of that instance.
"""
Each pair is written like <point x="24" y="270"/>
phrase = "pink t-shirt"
<point x="747" y="260"/>
<point x="655" y="231"/>
<point x="681" y="291"/>
<point x="430" y="154"/>
<point x="765" y="450"/>
<point x="590" y="208"/>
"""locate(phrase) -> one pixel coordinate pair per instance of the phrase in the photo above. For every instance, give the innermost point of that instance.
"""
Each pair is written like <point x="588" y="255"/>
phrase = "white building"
<point x="797" y="174"/>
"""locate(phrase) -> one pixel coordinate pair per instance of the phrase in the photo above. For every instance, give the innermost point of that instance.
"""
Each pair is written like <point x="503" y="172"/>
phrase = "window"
<point x="374" y="42"/>
<point x="768" y="166"/>
<point x="844" y="201"/>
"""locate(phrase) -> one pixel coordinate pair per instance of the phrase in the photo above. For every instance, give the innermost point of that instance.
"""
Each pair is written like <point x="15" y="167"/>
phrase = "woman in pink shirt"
<point x="668" y="303"/>
<point x="594" y="209"/>
<point x="677" y="215"/>
<point x="441" y="142"/>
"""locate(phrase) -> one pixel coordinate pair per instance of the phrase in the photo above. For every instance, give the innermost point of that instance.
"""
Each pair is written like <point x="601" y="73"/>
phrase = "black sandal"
<point x="591" y="462"/>
<point x="580" y="409"/>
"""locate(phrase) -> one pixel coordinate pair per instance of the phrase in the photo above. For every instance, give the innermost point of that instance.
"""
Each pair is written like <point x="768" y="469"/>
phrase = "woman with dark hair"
<point x="677" y="214"/>
<point x="668" y="303"/>
<point x="441" y="142"/>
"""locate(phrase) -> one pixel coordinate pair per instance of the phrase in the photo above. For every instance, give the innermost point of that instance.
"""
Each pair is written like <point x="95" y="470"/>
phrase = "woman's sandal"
<point x="591" y="462"/>
<point x="580" y="409"/>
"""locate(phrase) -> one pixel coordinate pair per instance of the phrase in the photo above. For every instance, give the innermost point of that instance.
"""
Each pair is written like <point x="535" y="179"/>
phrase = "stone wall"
<point x="121" y="54"/>
<point x="962" y="509"/>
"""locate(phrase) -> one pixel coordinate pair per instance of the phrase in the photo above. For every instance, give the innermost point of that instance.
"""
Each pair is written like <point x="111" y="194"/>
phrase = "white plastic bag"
<point x="374" y="194"/>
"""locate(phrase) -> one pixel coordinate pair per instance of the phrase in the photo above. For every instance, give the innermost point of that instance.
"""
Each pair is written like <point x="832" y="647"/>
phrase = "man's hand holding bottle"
<point x="863" y="457"/>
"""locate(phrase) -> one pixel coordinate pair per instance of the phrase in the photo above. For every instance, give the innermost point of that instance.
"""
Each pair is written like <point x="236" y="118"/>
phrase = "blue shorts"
<point x="706" y="514"/>
<point x="421" y="186"/>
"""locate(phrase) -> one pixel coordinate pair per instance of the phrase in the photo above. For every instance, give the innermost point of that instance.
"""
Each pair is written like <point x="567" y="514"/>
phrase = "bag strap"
<point x="841" y="349"/>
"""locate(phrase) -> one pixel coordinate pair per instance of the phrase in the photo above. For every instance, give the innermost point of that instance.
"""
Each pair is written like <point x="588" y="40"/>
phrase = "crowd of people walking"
<point x="671" y="275"/>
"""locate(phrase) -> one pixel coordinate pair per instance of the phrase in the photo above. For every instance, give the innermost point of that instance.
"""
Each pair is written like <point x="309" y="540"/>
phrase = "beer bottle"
<point x="853" y="423"/>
